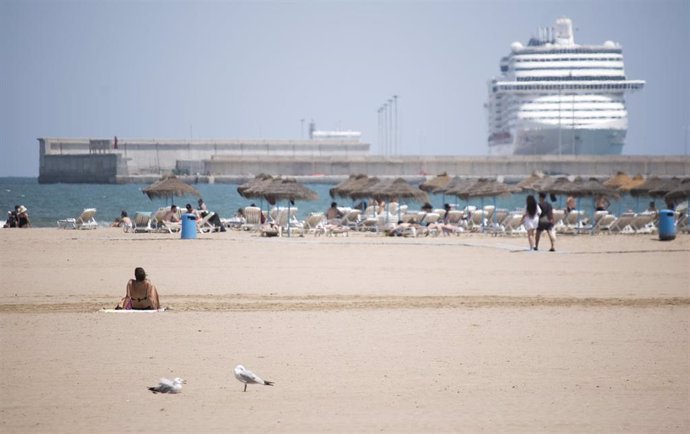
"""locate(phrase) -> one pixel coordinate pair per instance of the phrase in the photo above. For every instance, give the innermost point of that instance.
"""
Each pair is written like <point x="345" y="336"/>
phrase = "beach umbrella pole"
<point x="481" y="201"/>
<point x="288" y="219"/>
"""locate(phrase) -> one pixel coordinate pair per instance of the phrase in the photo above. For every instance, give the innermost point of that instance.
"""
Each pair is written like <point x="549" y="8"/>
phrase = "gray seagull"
<point x="168" y="386"/>
<point x="246" y="376"/>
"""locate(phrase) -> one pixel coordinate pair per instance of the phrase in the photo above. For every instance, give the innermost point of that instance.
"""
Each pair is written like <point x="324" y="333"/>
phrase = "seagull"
<point x="246" y="376"/>
<point x="168" y="386"/>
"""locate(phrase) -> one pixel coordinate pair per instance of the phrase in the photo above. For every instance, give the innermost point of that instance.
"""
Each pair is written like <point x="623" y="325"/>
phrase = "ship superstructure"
<point x="557" y="97"/>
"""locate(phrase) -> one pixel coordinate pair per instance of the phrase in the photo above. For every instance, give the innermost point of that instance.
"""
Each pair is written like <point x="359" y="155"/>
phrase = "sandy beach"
<point x="364" y="333"/>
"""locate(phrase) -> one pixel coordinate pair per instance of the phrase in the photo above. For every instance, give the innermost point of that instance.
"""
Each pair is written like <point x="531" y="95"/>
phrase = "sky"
<point x="256" y="69"/>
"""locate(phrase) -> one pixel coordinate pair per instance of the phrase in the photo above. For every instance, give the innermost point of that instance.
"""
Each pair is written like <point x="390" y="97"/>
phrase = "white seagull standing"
<point x="246" y="376"/>
<point x="168" y="386"/>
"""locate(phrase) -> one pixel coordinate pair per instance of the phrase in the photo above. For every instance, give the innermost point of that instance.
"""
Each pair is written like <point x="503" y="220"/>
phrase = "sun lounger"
<point x="622" y="223"/>
<point x="512" y="224"/>
<point x="160" y="225"/>
<point x="142" y="222"/>
<point x="482" y="217"/>
<point x="270" y="230"/>
<point x="644" y="223"/>
<point x="315" y="223"/>
<point x="571" y="223"/>
<point x="682" y="223"/>
<point x="85" y="220"/>
<point x="253" y="216"/>
<point x="604" y="223"/>
<point x="204" y="226"/>
<point x="558" y="215"/>
<point x="352" y="218"/>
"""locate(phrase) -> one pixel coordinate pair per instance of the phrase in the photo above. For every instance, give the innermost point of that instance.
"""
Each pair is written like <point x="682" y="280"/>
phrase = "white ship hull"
<point x="535" y="139"/>
<point x="573" y="142"/>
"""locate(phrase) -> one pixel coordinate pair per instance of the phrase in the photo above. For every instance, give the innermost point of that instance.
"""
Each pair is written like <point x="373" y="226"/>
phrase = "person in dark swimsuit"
<point x="545" y="223"/>
<point x="141" y="293"/>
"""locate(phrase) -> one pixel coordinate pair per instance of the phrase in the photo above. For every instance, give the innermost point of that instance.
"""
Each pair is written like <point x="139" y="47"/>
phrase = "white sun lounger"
<point x="644" y="222"/>
<point x="142" y="222"/>
<point x="85" y="220"/>
<point x="252" y="214"/>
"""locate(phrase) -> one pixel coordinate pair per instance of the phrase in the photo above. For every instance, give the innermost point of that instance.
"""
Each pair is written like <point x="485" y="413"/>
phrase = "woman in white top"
<point x="530" y="220"/>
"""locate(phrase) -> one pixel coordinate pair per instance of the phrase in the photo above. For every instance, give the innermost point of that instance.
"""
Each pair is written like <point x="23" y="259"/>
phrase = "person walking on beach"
<point x="545" y="222"/>
<point x="141" y="293"/>
<point x="530" y="219"/>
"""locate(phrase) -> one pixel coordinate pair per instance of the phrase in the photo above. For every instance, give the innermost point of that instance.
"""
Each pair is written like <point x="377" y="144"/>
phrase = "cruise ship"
<point x="556" y="97"/>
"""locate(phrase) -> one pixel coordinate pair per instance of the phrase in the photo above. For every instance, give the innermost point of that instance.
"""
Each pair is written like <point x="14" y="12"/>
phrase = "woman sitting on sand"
<point x="141" y="293"/>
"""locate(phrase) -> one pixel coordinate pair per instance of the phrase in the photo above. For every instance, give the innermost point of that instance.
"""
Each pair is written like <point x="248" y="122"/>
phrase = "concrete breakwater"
<point x="106" y="161"/>
<point x="112" y="169"/>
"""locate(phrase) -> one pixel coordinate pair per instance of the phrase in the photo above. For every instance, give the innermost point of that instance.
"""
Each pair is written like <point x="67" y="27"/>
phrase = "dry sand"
<point x="471" y="333"/>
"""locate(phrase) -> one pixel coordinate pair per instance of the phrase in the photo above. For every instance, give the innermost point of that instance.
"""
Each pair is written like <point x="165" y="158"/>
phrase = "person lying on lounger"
<point x="141" y="293"/>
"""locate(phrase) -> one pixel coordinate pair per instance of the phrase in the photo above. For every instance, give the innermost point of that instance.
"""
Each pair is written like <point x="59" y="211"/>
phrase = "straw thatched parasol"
<point x="366" y="188"/>
<point x="561" y="185"/>
<point x="344" y="188"/>
<point x="681" y="192"/>
<point x="457" y="187"/>
<point x="534" y="181"/>
<point x="618" y="180"/>
<point x="636" y="181"/>
<point x="401" y="189"/>
<point x="285" y="189"/>
<point x="248" y="189"/>
<point x="665" y="186"/>
<point x="490" y="188"/>
<point x="169" y="187"/>
<point x="591" y="187"/>
<point x="439" y="182"/>
<point x="644" y="188"/>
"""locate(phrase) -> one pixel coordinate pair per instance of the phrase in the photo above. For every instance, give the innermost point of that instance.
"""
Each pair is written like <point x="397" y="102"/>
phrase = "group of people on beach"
<point x="538" y="217"/>
<point x="198" y="214"/>
<point x="173" y="216"/>
<point x="18" y="218"/>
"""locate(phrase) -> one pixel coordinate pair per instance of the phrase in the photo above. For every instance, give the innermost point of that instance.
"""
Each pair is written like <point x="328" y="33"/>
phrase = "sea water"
<point x="48" y="203"/>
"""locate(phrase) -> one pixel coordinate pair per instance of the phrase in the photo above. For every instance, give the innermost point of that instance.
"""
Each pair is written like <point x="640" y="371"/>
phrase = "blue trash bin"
<point x="188" y="226"/>
<point x="667" y="225"/>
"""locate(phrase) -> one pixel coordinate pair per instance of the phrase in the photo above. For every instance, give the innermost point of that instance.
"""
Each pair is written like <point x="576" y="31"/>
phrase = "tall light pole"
<point x="390" y="126"/>
<point x="380" y="131"/>
<point x="397" y="125"/>
<point x="384" y="128"/>
<point x="301" y="129"/>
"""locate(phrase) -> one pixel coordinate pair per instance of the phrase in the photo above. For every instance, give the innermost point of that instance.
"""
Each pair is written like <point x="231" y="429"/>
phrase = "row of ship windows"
<point x="569" y="78"/>
<point x="498" y="121"/>
<point x="563" y="120"/>
<point x="617" y="86"/>
<point x="567" y="59"/>
<point x="567" y="109"/>
<point x="557" y="103"/>
<point x="510" y="99"/>
<point x="568" y="68"/>
<point x="572" y="51"/>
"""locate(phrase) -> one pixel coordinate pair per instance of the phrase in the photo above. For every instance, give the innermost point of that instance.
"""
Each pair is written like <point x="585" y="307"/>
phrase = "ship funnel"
<point x="564" y="32"/>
